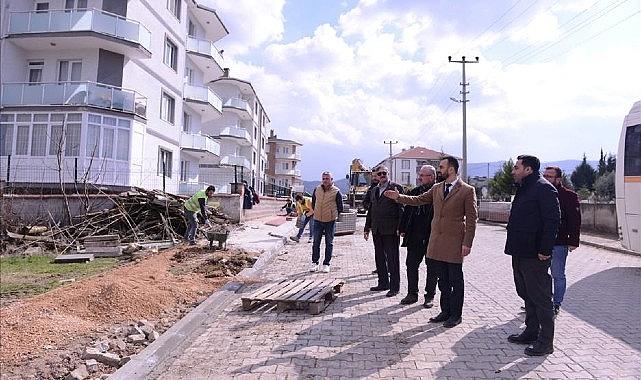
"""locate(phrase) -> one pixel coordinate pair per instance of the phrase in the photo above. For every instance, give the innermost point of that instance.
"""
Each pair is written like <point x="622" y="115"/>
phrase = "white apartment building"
<point x="117" y="93"/>
<point x="283" y="158"/>
<point x="404" y="166"/>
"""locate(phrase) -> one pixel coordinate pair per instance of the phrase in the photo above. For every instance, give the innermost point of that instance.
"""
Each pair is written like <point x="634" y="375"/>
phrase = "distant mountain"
<point x="480" y="169"/>
<point x="342" y="184"/>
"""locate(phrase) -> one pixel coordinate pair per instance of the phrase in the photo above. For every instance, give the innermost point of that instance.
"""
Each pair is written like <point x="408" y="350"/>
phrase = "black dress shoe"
<point x="452" y="322"/>
<point x="378" y="288"/>
<point x="391" y="293"/>
<point x="521" y="339"/>
<point x="409" y="299"/>
<point x="538" y="349"/>
<point x="429" y="303"/>
<point x="440" y="318"/>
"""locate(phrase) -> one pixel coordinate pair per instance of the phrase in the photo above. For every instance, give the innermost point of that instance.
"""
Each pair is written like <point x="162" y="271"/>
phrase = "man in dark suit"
<point x="531" y="233"/>
<point x="415" y="231"/>
<point x="383" y="221"/>
<point x="451" y="237"/>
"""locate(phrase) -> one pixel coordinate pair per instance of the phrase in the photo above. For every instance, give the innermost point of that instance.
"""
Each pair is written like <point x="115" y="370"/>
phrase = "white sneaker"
<point x="313" y="267"/>
<point x="326" y="268"/>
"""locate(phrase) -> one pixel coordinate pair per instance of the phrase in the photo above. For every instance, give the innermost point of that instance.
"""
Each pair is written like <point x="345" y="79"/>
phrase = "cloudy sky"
<point x="555" y="77"/>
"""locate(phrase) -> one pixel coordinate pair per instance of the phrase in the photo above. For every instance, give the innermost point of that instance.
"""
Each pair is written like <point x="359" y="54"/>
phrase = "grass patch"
<point x="28" y="276"/>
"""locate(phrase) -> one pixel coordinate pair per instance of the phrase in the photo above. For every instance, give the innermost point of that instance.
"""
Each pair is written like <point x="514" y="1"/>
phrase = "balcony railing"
<point x="238" y="103"/>
<point x="80" y="20"/>
<point x="292" y="172"/>
<point x="74" y="94"/>
<point x="288" y="156"/>
<point x="196" y="141"/>
<point x="205" y="47"/>
<point x="203" y="95"/>
<point x="235" y="161"/>
<point x="236" y="132"/>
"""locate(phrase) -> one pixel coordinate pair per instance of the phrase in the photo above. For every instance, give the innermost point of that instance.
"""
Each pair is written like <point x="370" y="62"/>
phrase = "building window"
<point x="174" y="7"/>
<point x="632" y="154"/>
<point x="405" y="164"/>
<point x="72" y="139"/>
<point x="171" y="54"/>
<point x="6" y="139"/>
<point x="405" y="178"/>
<point x="164" y="161"/>
<point x="254" y="158"/>
<point x="35" y="71"/>
<point x="167" y="108"/>
<point x="69" y="71"/>
<point x="285" y="165"/>
<point x="75" y="4"/>
<point x="191" y="29"/>
<point x="186" y="122"/>
<point x="184" y="170"/>
<point x="39" y="140"/>
<point x="42" y="6"/>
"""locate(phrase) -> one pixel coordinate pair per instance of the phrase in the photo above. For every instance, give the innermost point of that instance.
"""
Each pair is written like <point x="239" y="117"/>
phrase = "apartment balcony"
<point x="73" y="94"/>
<point x="240" y="107"/>
<point x="204" y="101"/>
<point x="239" y="135"/>
<point x="288" y="156"/>
<point x="79" y="29"/>
<point x="235" y="161"/>
<point x="205" y="12"/>
<point x="290" y="172"/>
<point x="201" y="145"/>
<point x="206" y="56"/>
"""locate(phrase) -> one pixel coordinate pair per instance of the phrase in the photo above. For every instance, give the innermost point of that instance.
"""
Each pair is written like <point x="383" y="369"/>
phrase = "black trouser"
<point x="452" y="287"/>
<point x="534" y="286"/>
<point x="386" y="255"/>
<point x="416" y="255"/>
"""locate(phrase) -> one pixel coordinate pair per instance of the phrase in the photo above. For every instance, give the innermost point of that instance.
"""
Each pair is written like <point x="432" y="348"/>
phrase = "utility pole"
<point x="463" y="101"/>
<point x="390" y="143"/>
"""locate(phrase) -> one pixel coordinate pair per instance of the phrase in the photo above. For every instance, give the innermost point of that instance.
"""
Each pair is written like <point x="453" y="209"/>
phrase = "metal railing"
<point x="202" y="94"/>
<point x="274" y="190"/>
<point x="73" y="94"/>
<point x="238" y="103"/>
<point x="235" y="161"/>
<point x="292" y="172"/>
<point x="205" y="47"/>
<point x="196" y="141"/>
<point x="289" y="156"/>
<point x="236" y="132"/>
<point x="80" y="20"/>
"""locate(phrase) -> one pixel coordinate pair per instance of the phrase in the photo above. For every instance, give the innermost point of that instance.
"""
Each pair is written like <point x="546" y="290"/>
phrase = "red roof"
<point x="421" y="153"/>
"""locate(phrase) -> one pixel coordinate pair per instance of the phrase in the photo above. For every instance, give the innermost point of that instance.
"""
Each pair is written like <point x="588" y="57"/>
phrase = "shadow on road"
<point x="610" y="301"/>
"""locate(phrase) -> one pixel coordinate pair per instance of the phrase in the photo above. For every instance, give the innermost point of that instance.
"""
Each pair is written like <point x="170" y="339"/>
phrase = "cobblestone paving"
<point x="363" y="334"/>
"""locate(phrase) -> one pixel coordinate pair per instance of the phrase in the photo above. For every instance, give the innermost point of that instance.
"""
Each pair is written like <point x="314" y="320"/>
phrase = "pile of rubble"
<point x="106" y="355"/>
<point x="138" y="216"/>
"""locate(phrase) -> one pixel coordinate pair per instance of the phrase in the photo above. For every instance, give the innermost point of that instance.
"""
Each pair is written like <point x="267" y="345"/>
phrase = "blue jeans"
<point x="306" y="219"/>
<point x="557" y="267"/>
<point x="320" y="229"/>
<point x="192" y="225"/>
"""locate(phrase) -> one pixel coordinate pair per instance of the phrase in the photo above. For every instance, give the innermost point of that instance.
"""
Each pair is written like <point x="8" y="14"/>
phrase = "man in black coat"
<point x="531" y="233"/>
<point x="383" y="220"/>
<point x="415" y="229"/>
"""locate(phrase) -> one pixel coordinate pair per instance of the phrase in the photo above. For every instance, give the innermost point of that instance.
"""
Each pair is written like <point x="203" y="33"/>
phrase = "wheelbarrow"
<point x="220" y="237"/>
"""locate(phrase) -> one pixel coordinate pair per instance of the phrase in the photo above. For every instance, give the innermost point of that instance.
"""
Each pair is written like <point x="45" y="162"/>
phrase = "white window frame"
<point x="167" y="156"/>
<point x="69" y="74"/>
<point x="35" y="65"/>
<point x="170" y="54"/>
<point x="174" y="7"/>
<point x="405" y="164"/>
<point x="167" y="108"/>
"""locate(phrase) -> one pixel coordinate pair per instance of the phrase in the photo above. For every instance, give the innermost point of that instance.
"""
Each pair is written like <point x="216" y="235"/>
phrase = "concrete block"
<point x="136" y="338"/>
<point x="105" y="358"/>
<point x="92" y="365"/>
<point x="73" y="258"/>
<point x="79" y="373"/>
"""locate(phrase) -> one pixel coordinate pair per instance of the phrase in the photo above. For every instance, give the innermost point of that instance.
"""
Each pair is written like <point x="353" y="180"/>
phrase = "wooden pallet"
<point x="313" y="295"/>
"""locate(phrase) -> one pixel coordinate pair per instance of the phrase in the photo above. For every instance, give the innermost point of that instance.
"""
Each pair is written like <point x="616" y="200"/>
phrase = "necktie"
<point x="378" y="192"/>
<point x="447" y="189"/>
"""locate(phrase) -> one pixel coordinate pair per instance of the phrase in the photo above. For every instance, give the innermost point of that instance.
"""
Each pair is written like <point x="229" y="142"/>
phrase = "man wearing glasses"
<point x="453" y="229"/>
<point x="567" y="238"/>
<point x="415" y="231"/>
<point x="383" y="220"/>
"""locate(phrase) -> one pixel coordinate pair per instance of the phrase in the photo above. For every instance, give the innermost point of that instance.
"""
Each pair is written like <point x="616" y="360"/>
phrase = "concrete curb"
<point x="167" y="345"/>
<point x="583" y="241"/>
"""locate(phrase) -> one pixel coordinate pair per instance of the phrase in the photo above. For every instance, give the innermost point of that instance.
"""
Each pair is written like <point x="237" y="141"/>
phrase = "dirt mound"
<point x="221" y="264"/>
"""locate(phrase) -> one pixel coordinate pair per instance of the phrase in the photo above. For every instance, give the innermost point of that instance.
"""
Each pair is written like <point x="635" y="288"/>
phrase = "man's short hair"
<point x="451" y="161"/>
<point x="327" y="173"/>
<point x="299" y="197"/>
<point x="210" y="188"/>
<point x="530" y="161"/>
<point x="429" y="168"/>
<point x="382" y="167"/>
<point x="557" y="169"/>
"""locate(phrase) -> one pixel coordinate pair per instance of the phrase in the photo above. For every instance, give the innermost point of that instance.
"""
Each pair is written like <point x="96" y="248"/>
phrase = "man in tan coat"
<point x="453" y="228"/>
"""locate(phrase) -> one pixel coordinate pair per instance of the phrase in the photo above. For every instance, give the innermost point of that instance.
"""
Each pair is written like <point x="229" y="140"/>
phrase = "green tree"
<point x="611" y="163"/>
<point x="502" y="184"/>
<point x="602" y="168"/>
<point x="604" y="186"/>
<point x="583" y="175"/>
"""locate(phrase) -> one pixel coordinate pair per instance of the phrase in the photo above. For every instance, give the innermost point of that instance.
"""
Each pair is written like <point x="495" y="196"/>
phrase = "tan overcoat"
<point x="454" y="222"/>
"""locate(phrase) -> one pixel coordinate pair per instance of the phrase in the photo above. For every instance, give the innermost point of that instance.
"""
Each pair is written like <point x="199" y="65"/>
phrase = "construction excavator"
<point x="360" y="178"/>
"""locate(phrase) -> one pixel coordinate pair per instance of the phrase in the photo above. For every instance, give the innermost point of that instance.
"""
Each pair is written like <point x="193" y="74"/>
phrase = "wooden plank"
<point x="298" y="285"/>
<point x="284" y="289"/>
<point x="266" y="289"/>
<point x="73" y="258"/>
<point x="320" y="294"/>
<point x="102" y="238"/>
<point x="310" y="289"/>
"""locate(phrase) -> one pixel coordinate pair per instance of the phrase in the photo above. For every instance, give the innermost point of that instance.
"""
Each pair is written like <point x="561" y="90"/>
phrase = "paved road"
<point x="366" y="335"/>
